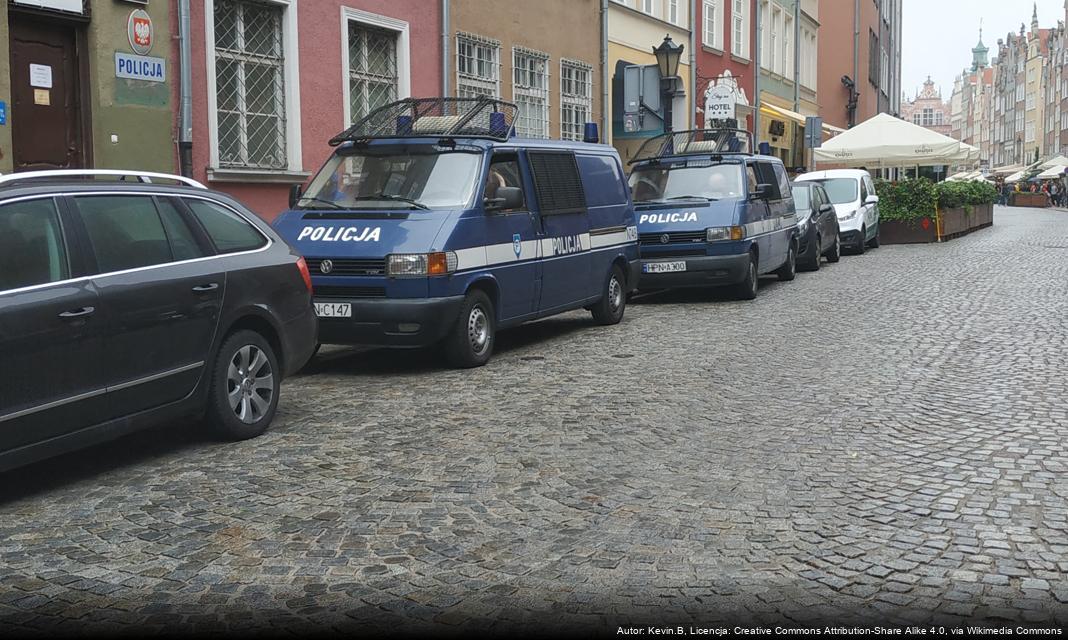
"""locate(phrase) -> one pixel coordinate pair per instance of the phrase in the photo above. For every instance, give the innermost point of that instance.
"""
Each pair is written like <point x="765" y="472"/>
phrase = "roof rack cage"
<point x="480" y="117"/>
<point x="141" y="176"/>
<point x="695" y="142"/>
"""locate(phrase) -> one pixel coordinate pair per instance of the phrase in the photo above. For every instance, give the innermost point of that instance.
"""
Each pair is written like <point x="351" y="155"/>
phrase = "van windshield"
<point x="392" y="178"/>
<point x="841" y="190"/>
<point x="660" y="183"/>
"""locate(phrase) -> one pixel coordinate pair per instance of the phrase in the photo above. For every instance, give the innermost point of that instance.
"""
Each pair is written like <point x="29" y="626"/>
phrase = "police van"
<point x="711" y="213"/>
<point x="431" y="223"/>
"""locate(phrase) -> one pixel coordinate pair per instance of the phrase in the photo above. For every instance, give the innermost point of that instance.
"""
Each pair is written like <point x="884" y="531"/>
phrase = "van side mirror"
<point x="760" y="192"/>
<point x="872" y="199"/>
<point x="294" y="195"/>
<point x="507" y="198"/>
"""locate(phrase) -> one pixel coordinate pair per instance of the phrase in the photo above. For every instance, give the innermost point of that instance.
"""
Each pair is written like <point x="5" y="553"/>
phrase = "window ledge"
<point x="713" y="50"/>
<point x="268" y="176"/>
<point x="738" y="58"/>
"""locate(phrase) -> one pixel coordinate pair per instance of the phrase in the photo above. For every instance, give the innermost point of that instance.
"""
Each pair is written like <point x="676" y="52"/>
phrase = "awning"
<point x="1052" y="162"/>
<point x="1016" y="177"/>
<point x="1006" y="169"/>
<point x="771" y="110"/>
<point x="1056" y="171"/>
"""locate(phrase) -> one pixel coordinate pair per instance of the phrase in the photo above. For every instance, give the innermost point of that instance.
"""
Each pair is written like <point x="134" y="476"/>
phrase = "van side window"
<point x="602" y="179"/>
<point x="503" y="172"/>
<point x="863" y="191"/>
<point x="556" y="182"/>
<point x="750" y="178"/>
<point x="125" y="232"/>
<point x="227" y="230"/>
<point x="765" y="174"/>
<point x="783" y="181"/>
<point x="31" y="244"/>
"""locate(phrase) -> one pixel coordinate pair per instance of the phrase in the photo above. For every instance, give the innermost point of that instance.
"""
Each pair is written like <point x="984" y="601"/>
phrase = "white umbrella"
<point x="1055" y="171"/>
<point x="886" y="141"/>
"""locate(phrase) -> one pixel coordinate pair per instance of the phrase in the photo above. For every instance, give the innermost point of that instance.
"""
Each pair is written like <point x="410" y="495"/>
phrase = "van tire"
<point x="788" y="271"/>
<point x="862" y="242"/>
<point x="229" y="372"/>
<point x="609" y="309"/>
<point x="470" y="341"/>
<point x="874" y="244"/>
<point x="747" y="289"/>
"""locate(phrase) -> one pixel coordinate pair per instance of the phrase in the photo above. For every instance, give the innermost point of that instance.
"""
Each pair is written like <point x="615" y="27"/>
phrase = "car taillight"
<point x="302" y="266"/>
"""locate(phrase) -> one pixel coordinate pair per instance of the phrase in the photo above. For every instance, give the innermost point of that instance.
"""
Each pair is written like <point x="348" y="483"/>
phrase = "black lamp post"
<point x="668" y="55"/>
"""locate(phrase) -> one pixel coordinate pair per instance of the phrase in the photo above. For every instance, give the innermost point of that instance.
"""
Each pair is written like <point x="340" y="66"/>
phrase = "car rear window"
<point x="228" y="231"/>
<point x="840" y="190"/>
<point x="32" y="251"/>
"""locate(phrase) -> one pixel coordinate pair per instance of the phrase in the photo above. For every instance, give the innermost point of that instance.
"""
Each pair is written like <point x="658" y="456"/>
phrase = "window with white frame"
<point x="250" y="91"/>
<point x="478" y="66"/>
<point x="1019" y="92"/>
<point x="373" y="71"/>
<point x="647" y="7"/>
<point x="884" y="70"/>
<point x="576" y="98"/>
<point x="1030" y="135"/>
<point x="740" y="28"/>
<point x="787" y="66"/>
<point x="1030" y="100"/>
<point x="713" y="23"/>
<point x="673" y="11"/>
<point x="530" y="92"/>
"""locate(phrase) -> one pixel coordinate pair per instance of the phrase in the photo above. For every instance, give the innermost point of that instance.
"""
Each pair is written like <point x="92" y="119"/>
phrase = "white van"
<point x="853" y="196"/>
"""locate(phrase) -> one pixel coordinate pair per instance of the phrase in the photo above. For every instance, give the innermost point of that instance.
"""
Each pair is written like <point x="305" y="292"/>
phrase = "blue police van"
<point x="431" y="223"/>
<point x="711" y="213"/>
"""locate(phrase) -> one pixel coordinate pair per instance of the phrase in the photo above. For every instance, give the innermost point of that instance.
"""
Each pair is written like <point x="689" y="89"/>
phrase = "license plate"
<point x="663" y="267"/>
<point x="333" y="309"/>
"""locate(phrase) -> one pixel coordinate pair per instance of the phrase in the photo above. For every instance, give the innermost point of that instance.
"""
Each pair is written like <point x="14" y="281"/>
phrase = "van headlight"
<point x="420" y="264"/>
<point x="850" y="215"/>
<point x="719" y="234"/>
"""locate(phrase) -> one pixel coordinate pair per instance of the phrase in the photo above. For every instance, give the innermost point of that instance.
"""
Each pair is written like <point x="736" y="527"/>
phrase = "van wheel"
<point x="788" y="271"/>
<point x="747" y="289"/>
<point x="245" y="381"/>
<point x="862" y="241"/>
<point x="470" y="342"/>
<point x="874" y="244"/>
<point x="609" y="309"/>
<point x="835" y="252"/>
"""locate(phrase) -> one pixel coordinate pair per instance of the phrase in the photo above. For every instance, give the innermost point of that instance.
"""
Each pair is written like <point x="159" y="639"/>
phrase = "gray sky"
<point x="938" y="35"/>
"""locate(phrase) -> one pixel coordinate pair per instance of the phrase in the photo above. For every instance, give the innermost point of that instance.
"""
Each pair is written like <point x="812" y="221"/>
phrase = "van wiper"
<point x="692" y="198"/>
<point x="314" y="199"/>
<point x="393" y="198"/>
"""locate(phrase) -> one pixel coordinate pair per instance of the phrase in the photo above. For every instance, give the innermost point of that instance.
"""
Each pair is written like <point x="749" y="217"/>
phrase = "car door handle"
<point x="203" y="288"/>
<point x="77" y="313"/>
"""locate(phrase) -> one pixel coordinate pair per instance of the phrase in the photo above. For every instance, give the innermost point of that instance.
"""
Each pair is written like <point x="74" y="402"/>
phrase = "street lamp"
<point x="668" y="55"/>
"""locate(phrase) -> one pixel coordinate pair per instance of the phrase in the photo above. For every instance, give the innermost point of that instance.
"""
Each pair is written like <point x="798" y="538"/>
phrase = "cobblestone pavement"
<point x="886" y="440"/>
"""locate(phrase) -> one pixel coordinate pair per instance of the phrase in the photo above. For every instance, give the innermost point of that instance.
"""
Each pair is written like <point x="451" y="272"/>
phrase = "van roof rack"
<point x="142" y="176"/>
<point x="695" y="142"/>
<point x="481" y="117"/>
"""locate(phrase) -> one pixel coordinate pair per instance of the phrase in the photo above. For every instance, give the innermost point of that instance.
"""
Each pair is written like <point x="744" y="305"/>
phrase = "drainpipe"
<point x="797" y="72"/>
<point x="693" y="63"/>
<point x="185" y="124"/>
<point x="756" y="78"/>
<point x="606" y="80"/>
<point x="444" y="48"/>
<point x="856" y="53"/>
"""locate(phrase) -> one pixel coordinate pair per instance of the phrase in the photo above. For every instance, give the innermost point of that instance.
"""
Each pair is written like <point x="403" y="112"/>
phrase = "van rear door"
<point x="565" y="229"/>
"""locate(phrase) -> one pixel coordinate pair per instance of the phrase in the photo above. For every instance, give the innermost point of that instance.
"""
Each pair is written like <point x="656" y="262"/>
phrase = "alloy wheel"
<point x="250" y="384"/>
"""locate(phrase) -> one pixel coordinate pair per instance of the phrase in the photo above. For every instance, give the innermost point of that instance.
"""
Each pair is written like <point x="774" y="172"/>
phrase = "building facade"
<point x="859" y="61"/>
<point x="1019" y="96"/>
<point x="724" y="55"/>
<point x="274" y="80"/>
<point x="86" y="84"/>
<point x="634" y="28"/>
<point x="928" y="109"/>
<point x="552" y="73"/>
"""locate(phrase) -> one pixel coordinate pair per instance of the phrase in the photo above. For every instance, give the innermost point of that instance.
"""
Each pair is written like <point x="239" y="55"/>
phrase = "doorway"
<point x="48" y="113"/>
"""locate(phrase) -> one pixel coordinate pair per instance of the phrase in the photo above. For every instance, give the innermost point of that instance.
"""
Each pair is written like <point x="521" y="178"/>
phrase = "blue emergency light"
<point x="590" y="134"/>
<point x="404" y="125"/>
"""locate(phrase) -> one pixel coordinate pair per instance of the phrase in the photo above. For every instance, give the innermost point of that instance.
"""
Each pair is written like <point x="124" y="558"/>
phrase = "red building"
<point x="724" y="52"/>
<point x="273" y="80"/>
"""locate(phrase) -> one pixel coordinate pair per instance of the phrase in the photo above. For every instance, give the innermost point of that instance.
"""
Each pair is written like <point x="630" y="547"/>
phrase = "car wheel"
<point x="788" y="271"/>
<point x="747" y="289"/>
<point x="470" y="342"/>
<point x="862" y="241"/>
<point x="245" y="382"/>
<point x="813" y="264"/>
<point x="874" y="244"/>
<point x="835" y="252"/>
<point x="609" y="310"/>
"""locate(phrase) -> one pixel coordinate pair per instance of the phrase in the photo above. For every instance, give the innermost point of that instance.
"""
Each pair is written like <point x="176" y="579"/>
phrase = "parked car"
<point x="712" y="214"/>
<point x="817" y="226"/>
<point x="124" y="304"/>
<point x="853" y="196"/>
<point x="430" y="224"/>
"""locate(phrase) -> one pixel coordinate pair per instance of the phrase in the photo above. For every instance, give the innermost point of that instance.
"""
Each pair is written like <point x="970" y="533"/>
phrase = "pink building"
<point x="928" y="109"/>
<point x="273" y="80"/>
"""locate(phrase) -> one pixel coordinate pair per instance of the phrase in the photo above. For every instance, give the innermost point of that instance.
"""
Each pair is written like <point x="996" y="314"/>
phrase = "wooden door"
<point x="45" y="96"/>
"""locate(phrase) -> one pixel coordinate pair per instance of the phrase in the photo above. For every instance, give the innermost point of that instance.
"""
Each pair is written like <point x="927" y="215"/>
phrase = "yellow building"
<point x="634" y="28"/>
<point x="1034" y="98"/>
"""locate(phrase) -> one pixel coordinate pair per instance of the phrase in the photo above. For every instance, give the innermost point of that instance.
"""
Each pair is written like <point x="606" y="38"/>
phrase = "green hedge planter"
<point x="918" y="211"/>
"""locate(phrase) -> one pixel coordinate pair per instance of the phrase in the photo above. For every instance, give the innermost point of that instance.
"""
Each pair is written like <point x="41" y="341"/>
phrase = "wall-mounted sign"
<point x="719" y="102"/>
<point x="3" y="113"/>
<point x="74" y="6"/>
<point x="41" y="76"/>
<point x="140" y="67"/>
<point x="42" y="97"/>
<point x="139" y="31"/>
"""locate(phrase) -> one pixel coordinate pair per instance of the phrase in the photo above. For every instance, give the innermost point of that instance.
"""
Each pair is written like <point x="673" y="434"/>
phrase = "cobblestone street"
<point x="897" y="452"/>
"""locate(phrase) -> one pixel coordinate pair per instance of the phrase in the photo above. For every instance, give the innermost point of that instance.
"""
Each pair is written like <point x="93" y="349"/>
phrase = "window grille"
<point x="478" y="66"/>
<point x="250" y="84"/>
<point x="576" y="100"/>
<point x="373" y="76"/>
<point x="530" y="92"/>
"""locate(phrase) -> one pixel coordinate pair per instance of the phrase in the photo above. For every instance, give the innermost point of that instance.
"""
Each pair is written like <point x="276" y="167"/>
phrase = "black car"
<point x="817" y="226"/>
<point x="124" y="304"/>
